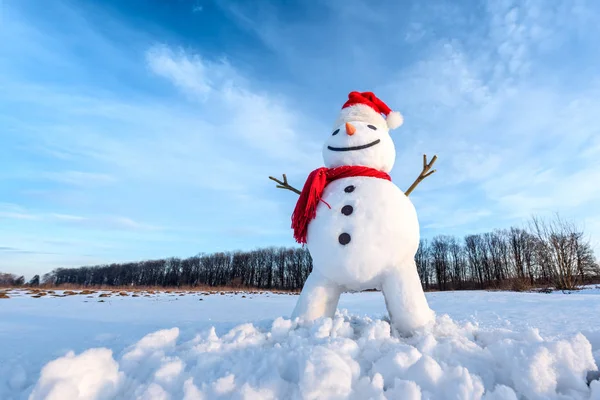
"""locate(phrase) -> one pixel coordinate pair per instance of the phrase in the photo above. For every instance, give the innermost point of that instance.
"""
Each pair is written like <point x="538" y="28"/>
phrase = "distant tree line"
<point x="14" y="280"/>
<point x="550" y="252"/>
<point x="269" y="268"/>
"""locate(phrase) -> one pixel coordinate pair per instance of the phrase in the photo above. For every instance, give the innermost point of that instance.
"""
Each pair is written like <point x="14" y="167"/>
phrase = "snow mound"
<point x="92" y="374"/>
<point x="341" y="358"/>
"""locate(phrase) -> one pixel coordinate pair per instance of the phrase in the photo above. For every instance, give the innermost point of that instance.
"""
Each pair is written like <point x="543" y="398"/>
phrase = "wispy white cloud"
<point x="94" y="222"/>
<point x="263" y="121"/>
<point x="128" y="223"/>
<point x="14" y="215"/>
<point x="14" y="211"/>
<point x="190" y="74"/>
<point x="67" y="217"/>
<point x="79" y="178"/>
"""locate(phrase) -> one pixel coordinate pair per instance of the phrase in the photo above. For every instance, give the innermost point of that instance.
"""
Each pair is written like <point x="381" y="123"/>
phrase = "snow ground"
<point x="492" y="345"/>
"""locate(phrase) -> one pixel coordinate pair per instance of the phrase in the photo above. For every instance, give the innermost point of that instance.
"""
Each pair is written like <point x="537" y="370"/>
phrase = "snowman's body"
<point x="367" y="234"/>
<point x="381" y="223"/>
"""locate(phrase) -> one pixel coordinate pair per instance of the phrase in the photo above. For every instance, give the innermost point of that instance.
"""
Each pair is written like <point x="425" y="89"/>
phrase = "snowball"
<point x="396" y="362"/>
<point x="93" y="374"/>
<point x="243" y="335"/>
<point x="405" y="390"/>
<point x="377" y="331"/>
<point x="538" y="375"/>
<point x="191" y="391"/>
<point x="342" y="328"/>
<point x="325" y="375"/>
<point x="154" y="392"/>
<point x="280" y="328"/>
<point x="377" y="381"/>
<point x="501" y="392"/>
<point x="224" y="385"/>
<point x="322" y="328"/>
<point x="461" y="383"/>
<point x="247" y="392"/>
<point x="153" y="342"/>
<point x="426" y="370"/>
<point x="169" y="371"/>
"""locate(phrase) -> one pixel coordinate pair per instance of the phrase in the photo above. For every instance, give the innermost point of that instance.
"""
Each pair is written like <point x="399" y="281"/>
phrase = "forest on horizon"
<point x="552" y="252"/>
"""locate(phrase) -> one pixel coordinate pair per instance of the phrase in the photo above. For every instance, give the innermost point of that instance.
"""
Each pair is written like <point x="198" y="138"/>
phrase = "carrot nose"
<point x="350" y="129"/>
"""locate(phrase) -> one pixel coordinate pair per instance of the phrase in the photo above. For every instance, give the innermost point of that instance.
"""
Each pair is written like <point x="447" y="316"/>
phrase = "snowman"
<point x="361" y="230"/>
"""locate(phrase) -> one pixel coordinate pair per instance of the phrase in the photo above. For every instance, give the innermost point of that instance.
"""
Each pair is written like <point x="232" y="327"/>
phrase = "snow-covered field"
<point x="495" y="345"/>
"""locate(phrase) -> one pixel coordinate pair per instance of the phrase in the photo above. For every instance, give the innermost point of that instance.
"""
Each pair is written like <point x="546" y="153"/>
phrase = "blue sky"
<point x="141" y="129"/>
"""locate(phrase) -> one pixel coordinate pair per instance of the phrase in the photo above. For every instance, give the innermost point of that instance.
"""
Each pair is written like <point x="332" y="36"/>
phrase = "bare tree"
<point x="458" y="263"/>
<point x="35" y="281"/>
<point x="474" y="249"/>
<point x="423" y="264"/>
<point x="7" y="279"/>
<point x="557" y="245"/>
<point x="440" y="259"/>
<point x="586" y="263"/>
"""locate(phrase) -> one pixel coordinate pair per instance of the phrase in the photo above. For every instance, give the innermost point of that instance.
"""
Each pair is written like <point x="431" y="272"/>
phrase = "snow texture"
<point x="214" y="354"/>
<point x="91" y="374"/>
<point x="337" y="358"/>
<point x="381" y="228"/>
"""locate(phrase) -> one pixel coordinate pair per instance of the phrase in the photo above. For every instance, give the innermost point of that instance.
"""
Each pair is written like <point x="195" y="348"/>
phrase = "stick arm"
<point x="427" y="171"/>
<point x="284" y="184"/>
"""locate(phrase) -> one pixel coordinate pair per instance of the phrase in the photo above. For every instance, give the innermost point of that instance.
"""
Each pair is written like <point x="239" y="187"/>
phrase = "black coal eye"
<point x="335" y="132"/>
<point x="372" y="127"/>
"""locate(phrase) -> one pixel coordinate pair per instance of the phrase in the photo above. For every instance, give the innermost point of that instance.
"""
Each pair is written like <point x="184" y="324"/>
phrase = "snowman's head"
<point x="360" y="135"/>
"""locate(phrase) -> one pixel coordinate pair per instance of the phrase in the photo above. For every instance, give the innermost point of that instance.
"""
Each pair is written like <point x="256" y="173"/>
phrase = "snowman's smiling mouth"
<point x="364" y="146"/>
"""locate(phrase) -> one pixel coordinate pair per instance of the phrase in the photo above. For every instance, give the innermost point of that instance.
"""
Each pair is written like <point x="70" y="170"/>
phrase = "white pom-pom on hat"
<point x="394" y="120"/>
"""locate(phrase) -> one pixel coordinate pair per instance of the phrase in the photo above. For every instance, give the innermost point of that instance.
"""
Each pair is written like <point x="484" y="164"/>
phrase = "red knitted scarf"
<point x="306" y="207"/>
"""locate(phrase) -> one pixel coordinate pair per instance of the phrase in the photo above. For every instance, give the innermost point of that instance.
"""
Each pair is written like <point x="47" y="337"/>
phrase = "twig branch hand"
<point x="427" y="171"/>
<point x="284" y="184"/>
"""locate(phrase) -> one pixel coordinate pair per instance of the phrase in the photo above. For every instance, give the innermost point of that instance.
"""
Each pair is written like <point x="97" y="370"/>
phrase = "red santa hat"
<point x="366" y="107"/>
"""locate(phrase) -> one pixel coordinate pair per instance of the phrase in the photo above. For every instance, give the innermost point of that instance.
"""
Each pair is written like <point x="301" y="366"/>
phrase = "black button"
<point x="349" y="189"/>
<point x="347" y="210"/>
<point x="344" y="239"/>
